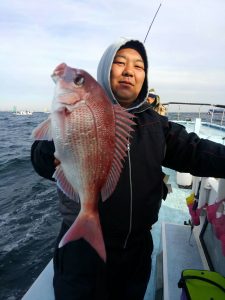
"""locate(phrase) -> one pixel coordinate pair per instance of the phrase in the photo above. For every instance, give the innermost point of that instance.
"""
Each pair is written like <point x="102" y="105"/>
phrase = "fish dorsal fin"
<point x="43" y="131"/>
<point x="64" y="184"/>
<point x="123" y="128"/>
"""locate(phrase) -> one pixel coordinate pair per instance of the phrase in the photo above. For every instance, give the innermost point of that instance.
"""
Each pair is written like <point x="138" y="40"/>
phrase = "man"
<point x="154" y="100"/>
<point x="127" y="216"/>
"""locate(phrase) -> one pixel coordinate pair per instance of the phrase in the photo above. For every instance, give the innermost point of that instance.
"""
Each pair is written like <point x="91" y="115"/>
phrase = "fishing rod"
<point x="153" y="21"/>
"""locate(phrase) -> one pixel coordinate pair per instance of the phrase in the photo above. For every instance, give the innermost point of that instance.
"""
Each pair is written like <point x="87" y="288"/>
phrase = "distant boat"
<point x="215" y="111"/>
<point x="23" y="113"/>
<point x="46" y="111"/>
<point x="14" y="109"/>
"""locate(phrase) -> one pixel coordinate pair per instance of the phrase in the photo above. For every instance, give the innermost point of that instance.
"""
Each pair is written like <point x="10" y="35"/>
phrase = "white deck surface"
<point x="173" y="210"/>
<point x="42" y="288"/>
<point x="178" y="254"/>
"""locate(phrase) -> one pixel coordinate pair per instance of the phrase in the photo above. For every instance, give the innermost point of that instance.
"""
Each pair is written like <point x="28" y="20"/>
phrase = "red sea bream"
<point x="90" y="136"/>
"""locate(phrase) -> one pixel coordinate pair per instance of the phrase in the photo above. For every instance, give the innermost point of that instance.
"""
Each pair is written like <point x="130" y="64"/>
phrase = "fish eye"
<point x="79" y="80"/>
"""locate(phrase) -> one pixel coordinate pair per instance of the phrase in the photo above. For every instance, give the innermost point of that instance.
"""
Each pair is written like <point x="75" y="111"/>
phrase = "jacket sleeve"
<point x="186" y="152"/>
<point x="42" y="158"/>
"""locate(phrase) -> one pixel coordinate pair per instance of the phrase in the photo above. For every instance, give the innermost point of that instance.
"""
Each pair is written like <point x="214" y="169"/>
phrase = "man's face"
<point x="127" y="76"/>
<point x="151" y="99"/>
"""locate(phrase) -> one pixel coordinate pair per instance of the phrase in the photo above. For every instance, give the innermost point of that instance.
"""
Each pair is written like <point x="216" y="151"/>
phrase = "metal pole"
<point x="222" y="118"/>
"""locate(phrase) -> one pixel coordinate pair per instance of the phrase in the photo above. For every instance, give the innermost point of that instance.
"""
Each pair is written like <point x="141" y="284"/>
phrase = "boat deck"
<point x="173" y="210"/>
<point x="179" y="252"/>
<point x="42" y="288"/>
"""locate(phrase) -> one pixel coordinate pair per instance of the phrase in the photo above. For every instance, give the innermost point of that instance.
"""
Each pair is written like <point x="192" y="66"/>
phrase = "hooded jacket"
<point x="134" y="205"/>
<point x="105" y="64"/>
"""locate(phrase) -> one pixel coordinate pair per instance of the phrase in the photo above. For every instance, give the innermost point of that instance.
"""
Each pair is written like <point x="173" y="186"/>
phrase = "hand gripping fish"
<point x="91" y="137"/>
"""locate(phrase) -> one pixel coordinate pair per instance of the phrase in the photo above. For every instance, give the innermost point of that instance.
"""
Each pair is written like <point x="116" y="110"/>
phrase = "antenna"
<point x="153" y="21"/>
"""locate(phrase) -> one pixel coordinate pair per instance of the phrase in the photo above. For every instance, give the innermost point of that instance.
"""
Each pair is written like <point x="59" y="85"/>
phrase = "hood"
<point x="104" y="67"/>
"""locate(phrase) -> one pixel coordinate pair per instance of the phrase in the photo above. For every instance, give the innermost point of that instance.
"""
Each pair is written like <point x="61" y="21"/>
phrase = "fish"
<point x="91" y="137"/>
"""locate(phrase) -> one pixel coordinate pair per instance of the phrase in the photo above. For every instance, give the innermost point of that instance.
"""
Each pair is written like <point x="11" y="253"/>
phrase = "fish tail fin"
<point x="88" y="228"/>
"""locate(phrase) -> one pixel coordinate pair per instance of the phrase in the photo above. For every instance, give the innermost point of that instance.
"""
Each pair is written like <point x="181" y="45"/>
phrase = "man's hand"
<point x="56" y="162"/>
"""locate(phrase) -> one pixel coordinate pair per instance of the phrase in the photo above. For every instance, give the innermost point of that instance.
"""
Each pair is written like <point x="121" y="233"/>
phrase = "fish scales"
<point x="89" y="146"/>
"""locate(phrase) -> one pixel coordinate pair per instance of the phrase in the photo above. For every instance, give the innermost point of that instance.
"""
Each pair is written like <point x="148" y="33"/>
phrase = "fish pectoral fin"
<point x="64" y="184"/>
<point x="43" y="131"/>
<point x="89" y="229"/>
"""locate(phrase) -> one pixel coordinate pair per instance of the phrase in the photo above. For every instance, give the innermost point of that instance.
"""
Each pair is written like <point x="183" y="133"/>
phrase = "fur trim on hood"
<point x="105" y="64"/>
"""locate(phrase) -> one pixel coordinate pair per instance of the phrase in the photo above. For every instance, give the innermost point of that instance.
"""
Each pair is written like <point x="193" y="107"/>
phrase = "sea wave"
<point x="30" y="219"/>
<point x="7" y="164"/>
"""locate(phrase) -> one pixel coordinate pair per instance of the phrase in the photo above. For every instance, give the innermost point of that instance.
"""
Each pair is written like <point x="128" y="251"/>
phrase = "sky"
<point x="185" y="46"/>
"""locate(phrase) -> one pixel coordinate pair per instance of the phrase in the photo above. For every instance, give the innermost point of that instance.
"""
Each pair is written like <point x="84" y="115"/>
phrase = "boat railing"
<point x="216" y="112"/>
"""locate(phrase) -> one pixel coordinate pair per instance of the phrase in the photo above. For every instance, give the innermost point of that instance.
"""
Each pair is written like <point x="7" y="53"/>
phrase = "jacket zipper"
<point x="131" y="187"/>
<point x="131" y="196"/>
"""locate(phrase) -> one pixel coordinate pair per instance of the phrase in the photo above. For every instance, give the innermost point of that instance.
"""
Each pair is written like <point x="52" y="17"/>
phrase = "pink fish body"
<point x="90" y="136"/>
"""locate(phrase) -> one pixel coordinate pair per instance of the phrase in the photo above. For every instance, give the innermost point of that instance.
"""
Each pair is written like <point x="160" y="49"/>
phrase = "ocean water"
<point x="29" y="217"/>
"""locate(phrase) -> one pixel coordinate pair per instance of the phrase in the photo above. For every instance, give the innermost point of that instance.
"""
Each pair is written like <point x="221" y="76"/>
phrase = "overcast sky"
<point x="186" y="45"/>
